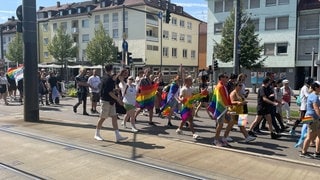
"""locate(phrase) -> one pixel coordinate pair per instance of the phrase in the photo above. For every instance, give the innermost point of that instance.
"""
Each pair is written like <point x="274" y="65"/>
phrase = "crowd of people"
<point x="120" y="93"/>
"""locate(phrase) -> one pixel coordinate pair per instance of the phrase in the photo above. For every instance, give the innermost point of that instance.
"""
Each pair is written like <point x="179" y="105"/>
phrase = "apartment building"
<point x="275" y="22"/>
<point x="139" y="19"/>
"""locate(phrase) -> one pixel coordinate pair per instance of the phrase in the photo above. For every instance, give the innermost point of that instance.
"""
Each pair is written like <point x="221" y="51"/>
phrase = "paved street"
<point x="264" y="147"/>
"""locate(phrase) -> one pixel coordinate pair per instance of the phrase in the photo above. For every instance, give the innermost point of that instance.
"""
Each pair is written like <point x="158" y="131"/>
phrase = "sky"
<point x="196" y="8"/>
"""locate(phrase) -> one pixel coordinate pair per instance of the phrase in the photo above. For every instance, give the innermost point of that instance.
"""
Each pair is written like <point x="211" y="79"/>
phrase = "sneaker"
<point x="74" y="108"/>
<point x="229" y="139"/>
<point x="179" y="131"/>
<point x="123" y="124"/>
<point x="120" y="138"/>
<point x="316" y="155"/>
<point x="217" y="143"/>
<point x="275" y="136"/>
<point x="195" y="136"/>
<point x="98" y="138"/>
<point x="169" y="124"/>
<point x="225" y="142"/>
<point x="249" y="138"/>
<point x="251" y="133"/>
<point x="305" y="155"/>
<point x="292" y="132"/>
<point x="134" y="130"/>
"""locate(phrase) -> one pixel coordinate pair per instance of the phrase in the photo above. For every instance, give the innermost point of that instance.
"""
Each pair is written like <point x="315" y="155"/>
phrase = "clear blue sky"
<point x="197" y="8"/>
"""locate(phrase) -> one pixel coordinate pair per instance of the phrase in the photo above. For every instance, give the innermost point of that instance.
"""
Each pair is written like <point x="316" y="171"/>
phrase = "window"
<point x="255" y="22"/>
<point x="218" y="6"/>
<point x="271" y="3"/>
<point x="245" y="4"/>
<point x="182" y="23"/>
<point x="45" y="27"/>
<point x="270" y="24"/>
<point x="282" y="48"/>
<point x="115" y="33"/>
<point x="174" y="52"/>
<point x="155" y="48"/>
<point x="174" y="36"/>
<point x="193" y="54"/>
<point x="126" y="16"/>
<point x="228" y="6"/>
<point x="45" y="54"/>
<point x="282" y="2"/>
<point x="115" y="17"/>
<point x="189" y="38"/>
<point x="85" y="38"/>
<point x="54" y="26"/>
<point x="174" y="20"/>
<point x="149" y="47"/>
<point x="165" y="51"/>
<point x="283" y="22"/>
<point x="189" y="25"/>
<point x="106" y="18"/>
<point x="182" y="37"/>
<point x="64" y="26"/>
<point x="85" y="23"/>
<point x="84" y="54"/>
<point x="165" y="34"/>
<point x="218" y="28"/>
<point x="269" y="49"/>
<point x="254" y="4"/>
<point x="45" y="41"/>
<point x="96" y="19"/>
<point x="185" y="53"/>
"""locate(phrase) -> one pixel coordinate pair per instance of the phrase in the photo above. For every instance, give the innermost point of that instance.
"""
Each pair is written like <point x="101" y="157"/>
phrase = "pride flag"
<point x="166" y="108"/>
<point x="146" y="96"/>
<point x="15" y="73"/>
<point x="219" y="102"/>
<point x="307" y="119"/>
<point x="187" y="104"/>
<point x="243" y="120"/>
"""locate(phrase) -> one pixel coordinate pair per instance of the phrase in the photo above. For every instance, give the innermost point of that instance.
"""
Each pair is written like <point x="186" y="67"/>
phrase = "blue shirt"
<point x="312" y="98"/>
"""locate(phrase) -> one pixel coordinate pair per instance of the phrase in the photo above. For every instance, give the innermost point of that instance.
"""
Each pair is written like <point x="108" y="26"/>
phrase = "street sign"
<point x="160" y="14"/>
<point x="125" y="46"/>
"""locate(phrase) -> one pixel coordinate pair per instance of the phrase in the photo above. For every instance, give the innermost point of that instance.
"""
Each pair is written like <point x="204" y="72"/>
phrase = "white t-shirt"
<point x="94" y="82"/>
<point x="304" y="93"/>
<point x="129" y="94"/>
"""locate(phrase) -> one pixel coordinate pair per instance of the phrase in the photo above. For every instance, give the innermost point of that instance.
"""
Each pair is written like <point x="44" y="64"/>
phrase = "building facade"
<point x="136" y="21"/>
<point x="276" y="23"/>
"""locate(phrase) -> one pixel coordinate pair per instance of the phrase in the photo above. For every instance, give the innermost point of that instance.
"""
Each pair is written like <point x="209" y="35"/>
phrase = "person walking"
<point x="264" y="108"/>
<point x="304" y="93"/>
<point x="186" y="111"/>
<point x="3" y="87"/>
<point x="313" y="111"/>
<point x="203" y="88"/>
<point x="129" y="92"/>
<point x="287" y="92"/>
<point x="94" y="88"/>
<point x="108" y="108"/>
<point x="82" y="93"/>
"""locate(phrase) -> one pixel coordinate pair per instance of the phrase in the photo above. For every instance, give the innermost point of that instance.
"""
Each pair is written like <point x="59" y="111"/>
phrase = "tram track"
<point x="20" y="172"/>
<point x="178" y="173"/>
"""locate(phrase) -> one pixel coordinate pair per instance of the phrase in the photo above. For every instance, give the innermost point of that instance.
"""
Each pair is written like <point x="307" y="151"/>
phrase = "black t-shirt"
<point x="52" y="81"/>
<point x="107" y="85"/>
<point x="82" y="89"/>
<point x="264" y="91"/>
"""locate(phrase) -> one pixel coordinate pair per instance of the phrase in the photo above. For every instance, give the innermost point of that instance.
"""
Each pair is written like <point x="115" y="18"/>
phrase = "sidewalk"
<point x="206" y="160"/>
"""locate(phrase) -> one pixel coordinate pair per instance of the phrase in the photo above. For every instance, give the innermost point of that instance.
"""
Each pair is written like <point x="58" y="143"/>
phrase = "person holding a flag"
<point x="3" y="87"/>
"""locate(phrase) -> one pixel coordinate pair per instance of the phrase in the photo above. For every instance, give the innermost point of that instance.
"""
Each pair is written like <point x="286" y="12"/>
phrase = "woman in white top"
<point x="129" y="93"/>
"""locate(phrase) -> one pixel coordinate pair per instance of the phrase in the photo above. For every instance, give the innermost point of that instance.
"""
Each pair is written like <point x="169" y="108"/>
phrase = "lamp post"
<point x="1" y="37"/>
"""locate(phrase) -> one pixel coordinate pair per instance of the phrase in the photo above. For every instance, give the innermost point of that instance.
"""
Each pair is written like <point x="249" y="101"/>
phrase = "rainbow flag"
<point x="307" y="119"/>
<point x="15" y="73"/>
<point x="243" y="120"/>
<point x="146" y="96"/>
<point x="187" y="105"/>
<point x="166" y="108"/>
<point x="219" y="102"/>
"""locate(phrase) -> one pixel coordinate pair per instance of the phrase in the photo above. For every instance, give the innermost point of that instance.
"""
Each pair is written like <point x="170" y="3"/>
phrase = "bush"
<point x="72" y="92"/>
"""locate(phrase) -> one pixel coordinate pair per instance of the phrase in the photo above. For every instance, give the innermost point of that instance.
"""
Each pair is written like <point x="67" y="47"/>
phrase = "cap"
<point x="286" y="81"/>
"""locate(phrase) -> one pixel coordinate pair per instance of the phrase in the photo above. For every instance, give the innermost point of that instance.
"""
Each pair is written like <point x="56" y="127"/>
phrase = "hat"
<point x="131" y="77"/>
<point x="286" y="81"/>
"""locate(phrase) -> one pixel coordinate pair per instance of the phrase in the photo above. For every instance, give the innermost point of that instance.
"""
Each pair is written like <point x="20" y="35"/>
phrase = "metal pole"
<point x="30" y="88"/>
<point x="236" y="50"/>
<point x="312" y="63"/>
<point x="161" y="50"/>
<point x="1" y="34"/>
<point x="123" y="36"/>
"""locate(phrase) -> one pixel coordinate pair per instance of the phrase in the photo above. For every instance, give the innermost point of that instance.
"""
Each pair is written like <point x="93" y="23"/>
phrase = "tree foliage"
<point x="250" y="50"/>
<point x="15" y="49"/>
<point x="100" y="49"/>
<point x="62" y="46"/>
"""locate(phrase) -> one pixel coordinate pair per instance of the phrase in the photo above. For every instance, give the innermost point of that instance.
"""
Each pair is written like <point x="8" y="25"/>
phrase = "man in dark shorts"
<point x="264" y="108"/>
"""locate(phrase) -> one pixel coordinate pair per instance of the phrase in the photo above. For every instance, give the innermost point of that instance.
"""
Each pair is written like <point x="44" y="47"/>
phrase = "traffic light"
<point x="19" y="26"/>
<point x="215" y="65"/>
<point x="129" y="58"/>
<point x="168" y="16"/>
<point x="20" y="18"/>
<point x="119" y="56"/>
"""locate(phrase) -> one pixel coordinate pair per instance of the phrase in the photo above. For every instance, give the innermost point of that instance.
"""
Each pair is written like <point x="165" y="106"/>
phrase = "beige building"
<point x="179" y="38"/>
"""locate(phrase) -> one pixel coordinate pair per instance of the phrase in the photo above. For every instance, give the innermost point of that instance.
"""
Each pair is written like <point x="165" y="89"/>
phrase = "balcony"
<point x="74" y="30"/>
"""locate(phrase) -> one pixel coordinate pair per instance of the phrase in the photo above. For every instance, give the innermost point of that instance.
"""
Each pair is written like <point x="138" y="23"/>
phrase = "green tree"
<point x="100" y="49"/>
<point x="15" y="49"/>
<point x="62" y="48"/>
<point x="250" y="50"/>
